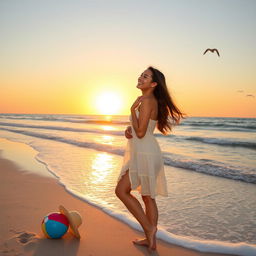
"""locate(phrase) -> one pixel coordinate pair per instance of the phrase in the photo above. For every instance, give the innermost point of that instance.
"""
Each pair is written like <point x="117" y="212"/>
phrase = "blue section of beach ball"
<point x="55" y="229"/>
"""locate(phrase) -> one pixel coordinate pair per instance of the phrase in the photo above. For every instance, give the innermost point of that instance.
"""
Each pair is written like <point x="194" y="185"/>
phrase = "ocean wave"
<point x="61" y="128"/>
<point x="227" y="124"/>
<point x="96" y="146"/>
<point x="224" y="142"/>
<point x="82" y="119"/>
<point x="214" y="168"/>
<point x="207" y="140"/>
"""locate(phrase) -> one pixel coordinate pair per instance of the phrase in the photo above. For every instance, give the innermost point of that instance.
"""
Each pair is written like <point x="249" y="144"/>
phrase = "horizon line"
<point x="118" y="115"/>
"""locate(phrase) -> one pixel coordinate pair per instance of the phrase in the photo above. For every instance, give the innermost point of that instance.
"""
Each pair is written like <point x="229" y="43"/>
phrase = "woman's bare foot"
<point x="141" y="242"/>
<point x="151" y="237"/>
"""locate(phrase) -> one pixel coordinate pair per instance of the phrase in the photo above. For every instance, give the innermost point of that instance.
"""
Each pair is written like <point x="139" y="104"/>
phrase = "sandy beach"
<point x="26" y="198"/>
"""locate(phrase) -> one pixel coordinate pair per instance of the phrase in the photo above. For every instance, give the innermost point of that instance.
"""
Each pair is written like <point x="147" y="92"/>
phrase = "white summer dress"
<point x="143" y="159"/>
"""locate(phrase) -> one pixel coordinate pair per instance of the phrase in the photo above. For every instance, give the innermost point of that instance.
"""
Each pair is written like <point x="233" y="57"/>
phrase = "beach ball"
<point x="55" y="225"/>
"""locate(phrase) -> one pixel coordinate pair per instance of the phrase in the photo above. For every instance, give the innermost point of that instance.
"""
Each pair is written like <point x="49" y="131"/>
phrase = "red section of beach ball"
<point x="59" y="217"/>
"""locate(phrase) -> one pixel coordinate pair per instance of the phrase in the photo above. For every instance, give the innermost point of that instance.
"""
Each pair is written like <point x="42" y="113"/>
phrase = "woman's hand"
<point x="128" y="132"/>
<point x="136" y="103"/>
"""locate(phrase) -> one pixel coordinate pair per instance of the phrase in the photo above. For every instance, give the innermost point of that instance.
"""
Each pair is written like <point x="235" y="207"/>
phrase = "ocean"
<point x="210" y="166"/>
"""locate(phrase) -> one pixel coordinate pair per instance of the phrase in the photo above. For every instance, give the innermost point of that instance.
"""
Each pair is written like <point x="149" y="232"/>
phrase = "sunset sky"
<point x="77" y="57"/>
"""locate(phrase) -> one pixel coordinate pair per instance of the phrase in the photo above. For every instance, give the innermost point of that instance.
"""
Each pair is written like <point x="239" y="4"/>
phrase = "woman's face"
<point x="145" y="80"/>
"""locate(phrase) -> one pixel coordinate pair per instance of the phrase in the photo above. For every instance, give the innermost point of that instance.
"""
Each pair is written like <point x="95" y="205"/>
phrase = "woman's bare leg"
<point x="151" y="209"/>
<point x="152" y="215"/>
<point x="122" y="191"/>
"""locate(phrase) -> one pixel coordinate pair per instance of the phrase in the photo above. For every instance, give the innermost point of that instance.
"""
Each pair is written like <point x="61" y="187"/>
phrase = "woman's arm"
<point x="140" y="124"/>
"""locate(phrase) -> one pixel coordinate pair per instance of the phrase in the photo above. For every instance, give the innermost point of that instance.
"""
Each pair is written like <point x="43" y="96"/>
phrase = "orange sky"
<point x="65" y="63"/>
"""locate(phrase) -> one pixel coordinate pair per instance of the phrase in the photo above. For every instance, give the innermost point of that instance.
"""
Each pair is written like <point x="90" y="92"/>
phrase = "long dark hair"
<point x="168" y="112"/>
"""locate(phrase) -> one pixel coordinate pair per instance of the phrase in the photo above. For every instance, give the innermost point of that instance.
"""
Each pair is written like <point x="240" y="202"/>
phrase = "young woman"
<point x="143" y="167"/>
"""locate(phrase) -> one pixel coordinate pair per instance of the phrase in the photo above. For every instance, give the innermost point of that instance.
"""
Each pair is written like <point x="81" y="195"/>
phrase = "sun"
<point x="108" y="103"/>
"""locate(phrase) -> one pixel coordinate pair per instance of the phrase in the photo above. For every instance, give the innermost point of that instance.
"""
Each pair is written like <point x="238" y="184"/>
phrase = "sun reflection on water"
<point x="105" y="139"/>
<point x="102" y="166"/>
<point x="108" y="128"/>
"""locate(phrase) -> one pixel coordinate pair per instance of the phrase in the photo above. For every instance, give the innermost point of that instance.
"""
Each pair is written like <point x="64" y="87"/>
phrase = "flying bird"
<point x="250" y="95"/>
<point x="212" y="50"/>
<point x="240" y="91"/>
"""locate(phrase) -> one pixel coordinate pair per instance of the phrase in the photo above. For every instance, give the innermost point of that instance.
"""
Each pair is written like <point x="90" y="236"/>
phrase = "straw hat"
<point x="75" y="219"/>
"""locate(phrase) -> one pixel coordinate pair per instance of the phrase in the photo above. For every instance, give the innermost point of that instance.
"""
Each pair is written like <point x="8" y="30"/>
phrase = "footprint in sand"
<point x="15" y="245"/>
<point x="25" y="237"/>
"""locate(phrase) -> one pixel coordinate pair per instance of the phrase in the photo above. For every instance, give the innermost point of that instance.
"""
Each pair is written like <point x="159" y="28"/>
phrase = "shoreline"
<point x="27" y="198"/>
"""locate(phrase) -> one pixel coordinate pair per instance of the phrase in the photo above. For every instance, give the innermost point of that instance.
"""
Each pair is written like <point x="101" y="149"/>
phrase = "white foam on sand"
<point x="24" y="156"/>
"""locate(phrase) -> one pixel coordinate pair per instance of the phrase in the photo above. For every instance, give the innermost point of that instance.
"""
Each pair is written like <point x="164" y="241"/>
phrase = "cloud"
<point x="247" y="95"/>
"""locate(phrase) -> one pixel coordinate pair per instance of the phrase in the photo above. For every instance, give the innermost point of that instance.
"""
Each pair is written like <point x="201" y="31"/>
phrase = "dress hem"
<point x="138" y="187"/>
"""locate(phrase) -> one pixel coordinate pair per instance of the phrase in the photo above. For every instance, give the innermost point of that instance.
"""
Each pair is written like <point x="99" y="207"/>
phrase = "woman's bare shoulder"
<point x="151" y="104"/>
<point x="147" y="101"/>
